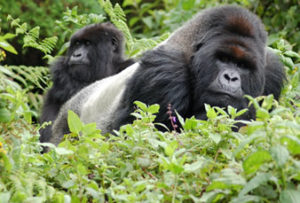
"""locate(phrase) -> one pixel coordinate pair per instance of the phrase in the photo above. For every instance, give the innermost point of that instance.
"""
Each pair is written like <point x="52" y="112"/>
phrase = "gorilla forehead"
<point x="98" y="31"/>
<point x="236" y="20"/>
<point x="233" y="21"/>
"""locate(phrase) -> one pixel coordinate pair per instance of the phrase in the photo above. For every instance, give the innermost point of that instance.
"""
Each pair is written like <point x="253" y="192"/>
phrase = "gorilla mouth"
<point x="224" y="94"/>
<point x="222" y="99"/>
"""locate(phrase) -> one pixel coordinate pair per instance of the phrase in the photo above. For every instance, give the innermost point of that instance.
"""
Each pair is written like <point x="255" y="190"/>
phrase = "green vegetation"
<point x="205" y="162"/>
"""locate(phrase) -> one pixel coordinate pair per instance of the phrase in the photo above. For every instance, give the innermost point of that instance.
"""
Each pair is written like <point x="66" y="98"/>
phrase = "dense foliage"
<point x="206" y="162"/>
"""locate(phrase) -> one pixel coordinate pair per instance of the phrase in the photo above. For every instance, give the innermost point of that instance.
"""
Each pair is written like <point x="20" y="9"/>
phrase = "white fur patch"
<point x="105" y="98"/>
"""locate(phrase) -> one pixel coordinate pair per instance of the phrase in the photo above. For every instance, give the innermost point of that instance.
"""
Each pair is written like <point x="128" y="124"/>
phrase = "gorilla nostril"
<point x="227" y="77"/>
<point x="234" y="79"/>
<point x="77" y="54"/>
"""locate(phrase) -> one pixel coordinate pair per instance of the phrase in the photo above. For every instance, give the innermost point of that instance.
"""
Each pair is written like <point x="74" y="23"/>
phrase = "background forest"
<point x="205" y="162"/>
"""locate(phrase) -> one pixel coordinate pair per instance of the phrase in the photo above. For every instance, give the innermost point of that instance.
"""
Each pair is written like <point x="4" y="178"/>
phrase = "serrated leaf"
<point x="246" y="199"/>
<point x="262" y="113"/>
<point x="290" y="196"/>
<point x="228" y="178"/>
<point x="280" y="154"/>
<point x="255" y="182"/>
<point x="141" y="105"/>
<point x="35" y="32"/>
<point x="215" y="137"/>
<point x="194" y="167"/>
<point x="171" y="147"/>
<point x="292" y="143"/>
<point x="153" y="108"/>
<point x="210" y="112"/>
<point x="75" y="125"/>
<point x="5" y="115"/>
<point x="255" y="160"/>
<point x="81" y="169"/>
<point x="89" y="129"/>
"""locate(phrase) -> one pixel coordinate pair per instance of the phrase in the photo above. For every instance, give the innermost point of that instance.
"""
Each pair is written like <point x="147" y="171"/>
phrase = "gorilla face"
<point x="227" y="64"/>
<point x="92" y="47"/>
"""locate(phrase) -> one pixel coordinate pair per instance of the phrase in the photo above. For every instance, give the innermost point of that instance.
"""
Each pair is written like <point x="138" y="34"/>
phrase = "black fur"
<point x="95" y="52"/>
<point x="166" y="77"/>
<point x="216" y="58"/>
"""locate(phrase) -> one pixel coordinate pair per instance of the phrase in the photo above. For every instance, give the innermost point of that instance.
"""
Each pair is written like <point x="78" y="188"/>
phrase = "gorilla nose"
<point x="77" y="54"/>
<point x="230" y="79"/>
<point x="231" y="76"/>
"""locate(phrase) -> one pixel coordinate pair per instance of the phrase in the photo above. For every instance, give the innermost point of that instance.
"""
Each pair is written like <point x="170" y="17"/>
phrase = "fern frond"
<point x="48" y="44"/>
<point x="118" y="18"/>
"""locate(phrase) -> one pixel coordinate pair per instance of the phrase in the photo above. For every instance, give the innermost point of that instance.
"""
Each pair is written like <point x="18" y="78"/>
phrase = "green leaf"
<point x="171" y="147"/>
<point x="194" y="167"/>
<point x="210" y="112"/>
<point x="141" y="105"/>
<point x="262" y="114"/>
<point x="6" y="46"/>
<point x="227" y="179"/>
<point x="153" y="108"/>
<point x="5" y="196"/>
<point x="190" y="124"/>
<point x="75" y="125"/>
<point x="81" y="169"/>
<point x="292" y="143"/>
<point x="290" y="196"/>
<point x="280" y="154"/>
<point x="255" y="160"/>
<point x="246" y="199"/>
<point x="63" y="151"/>
<point x="268" y="102"/>
<point x="8" y="36"/>
<point x="215" y="137"/>
<point x="35" y="32"/>
<point x="5" y="115"/>
<point x="292" y="54"/>
<point x="5" y="159"/>
<point x="89" y="129"/>
<point x="255" y="182"/>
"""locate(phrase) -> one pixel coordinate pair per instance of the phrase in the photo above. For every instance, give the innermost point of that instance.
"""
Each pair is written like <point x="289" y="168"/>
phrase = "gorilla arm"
<point x="97" y="102"/>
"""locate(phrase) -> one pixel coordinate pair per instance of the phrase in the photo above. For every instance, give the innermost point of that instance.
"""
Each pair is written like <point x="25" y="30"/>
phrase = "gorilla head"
<point x="216" y="58"/>
<point x="229" y="60"/>
<point x="95" y="52"/>
<point x="92" y="47"/>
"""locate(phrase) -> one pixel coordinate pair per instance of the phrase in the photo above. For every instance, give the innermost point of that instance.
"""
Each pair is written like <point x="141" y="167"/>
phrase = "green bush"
<point x="205" y="162"/>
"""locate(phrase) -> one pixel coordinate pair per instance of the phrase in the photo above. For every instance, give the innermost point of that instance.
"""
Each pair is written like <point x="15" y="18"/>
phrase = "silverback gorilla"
<point x="95" y="52"/>
<point x="215" y="58"/>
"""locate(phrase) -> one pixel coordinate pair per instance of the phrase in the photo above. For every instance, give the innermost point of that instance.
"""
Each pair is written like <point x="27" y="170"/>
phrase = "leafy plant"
<point x="199" y="161"/>
<point x="31" y="37"/>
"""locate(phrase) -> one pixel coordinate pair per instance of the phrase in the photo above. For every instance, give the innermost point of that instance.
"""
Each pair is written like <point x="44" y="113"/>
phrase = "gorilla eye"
<point x="87" y="42"/>
<point x="224" y="58"/>
<point x="245" y="65"/>
<point x="77" y="43"/>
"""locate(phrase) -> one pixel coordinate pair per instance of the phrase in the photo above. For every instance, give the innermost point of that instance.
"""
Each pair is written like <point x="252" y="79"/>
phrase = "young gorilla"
<point x="95" y="52"/>
<point x="215" y="58"/>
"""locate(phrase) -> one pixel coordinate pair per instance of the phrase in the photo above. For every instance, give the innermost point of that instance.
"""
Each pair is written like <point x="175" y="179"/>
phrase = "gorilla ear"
<point x="115" y="44"/>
